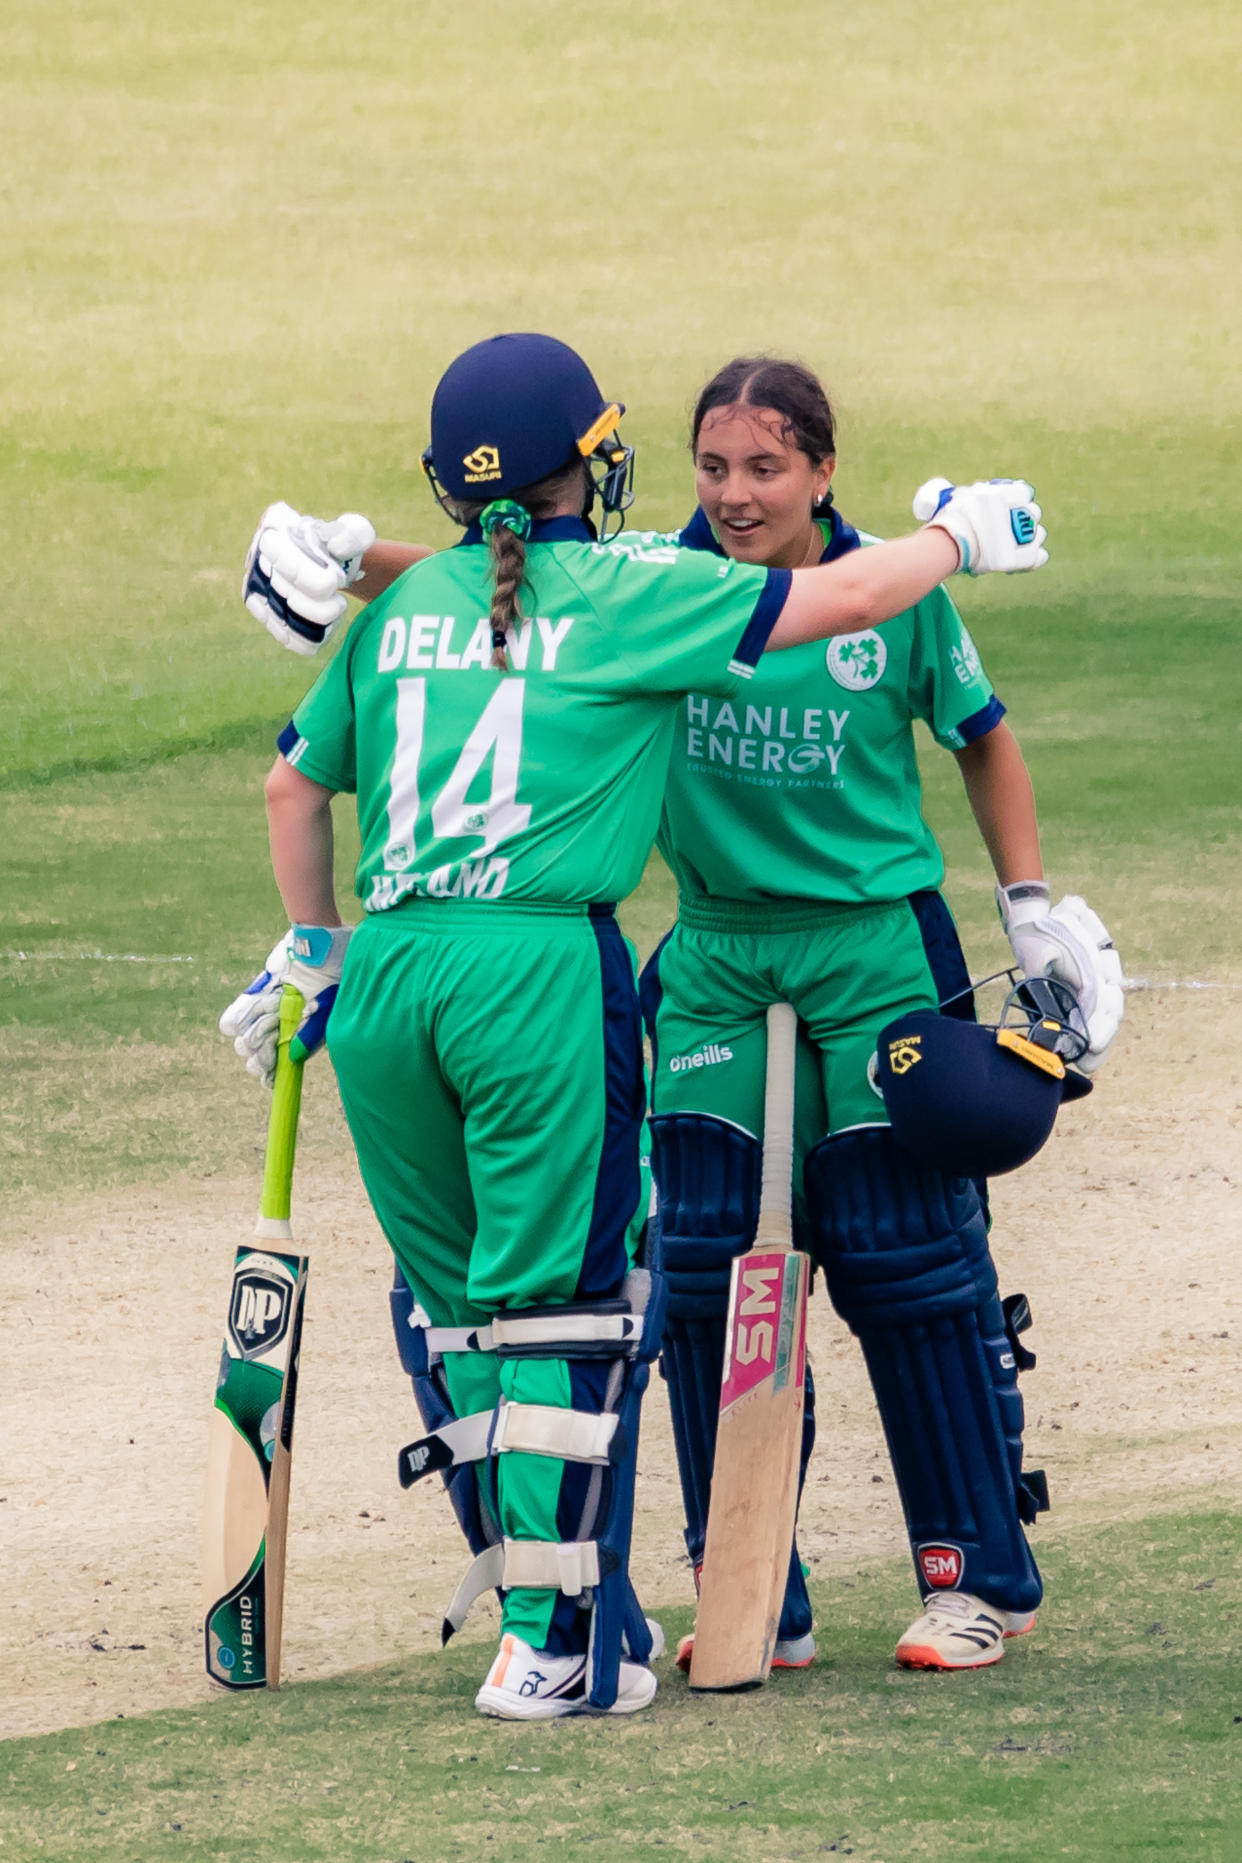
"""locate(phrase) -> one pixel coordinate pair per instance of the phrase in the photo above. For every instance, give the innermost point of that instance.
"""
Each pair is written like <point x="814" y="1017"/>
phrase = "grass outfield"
<point x="1113" y="1732"/>
<point x="1003" y="250"/>
<point x="241" y="250"/>
<point x="240" y="245"/>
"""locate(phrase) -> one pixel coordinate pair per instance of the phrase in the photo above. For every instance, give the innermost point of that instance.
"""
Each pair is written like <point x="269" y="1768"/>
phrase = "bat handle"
<point x="282" y="1125"/>
<point x="776" y="1184"/>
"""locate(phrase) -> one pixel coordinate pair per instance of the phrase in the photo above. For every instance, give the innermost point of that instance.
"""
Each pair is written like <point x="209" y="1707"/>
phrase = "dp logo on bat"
<point x="259" y="1312"/>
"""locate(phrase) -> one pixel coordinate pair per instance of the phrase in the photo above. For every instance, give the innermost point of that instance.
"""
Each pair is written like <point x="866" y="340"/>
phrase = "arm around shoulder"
<point x="383" y="563"/>
<point x="992" y="525"/>
<point x="865" y="588"/>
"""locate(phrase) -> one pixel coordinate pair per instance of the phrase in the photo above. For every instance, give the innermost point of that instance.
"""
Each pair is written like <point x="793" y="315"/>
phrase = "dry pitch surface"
<point x="1123" y="1233"/>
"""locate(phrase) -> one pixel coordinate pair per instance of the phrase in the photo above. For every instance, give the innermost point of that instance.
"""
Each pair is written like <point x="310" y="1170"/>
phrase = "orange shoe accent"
<point x="685" y="1650"/>
<point x="782" y="1662"/>
<point x="925" y="1656"/>
<point x="921" y="1657"/>
<point x="504" y="1659"/>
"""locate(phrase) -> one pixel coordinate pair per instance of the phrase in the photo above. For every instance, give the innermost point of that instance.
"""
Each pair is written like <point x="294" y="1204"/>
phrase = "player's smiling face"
<point x="757" y="487"/>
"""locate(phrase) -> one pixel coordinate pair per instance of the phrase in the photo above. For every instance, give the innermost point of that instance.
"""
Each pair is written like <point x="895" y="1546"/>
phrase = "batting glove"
<point x="296" y="570"/>
<point x="311" y="958"/>
<point x="994" y="523"/>
<point x="1069" y="941"/>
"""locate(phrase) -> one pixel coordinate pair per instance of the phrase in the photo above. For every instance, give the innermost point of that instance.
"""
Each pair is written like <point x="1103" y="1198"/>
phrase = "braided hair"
<point x="506" y="524"/>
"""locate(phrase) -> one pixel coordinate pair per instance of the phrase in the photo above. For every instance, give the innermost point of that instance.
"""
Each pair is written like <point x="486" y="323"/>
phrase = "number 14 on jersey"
<point x="498" y="735"/>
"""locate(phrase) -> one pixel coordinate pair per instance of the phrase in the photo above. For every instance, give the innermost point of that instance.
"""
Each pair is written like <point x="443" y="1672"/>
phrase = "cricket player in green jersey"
<point x="793" y="825"/>
<point x="504" y="714"/>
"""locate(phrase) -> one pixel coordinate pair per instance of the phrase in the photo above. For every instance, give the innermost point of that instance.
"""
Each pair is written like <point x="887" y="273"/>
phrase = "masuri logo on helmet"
<point x="481" y="465"/>
<point x="903" y="1053"/>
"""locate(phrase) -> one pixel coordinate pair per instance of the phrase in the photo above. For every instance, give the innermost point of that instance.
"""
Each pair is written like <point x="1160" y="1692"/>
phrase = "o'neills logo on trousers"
<point x="711" y="1054"/>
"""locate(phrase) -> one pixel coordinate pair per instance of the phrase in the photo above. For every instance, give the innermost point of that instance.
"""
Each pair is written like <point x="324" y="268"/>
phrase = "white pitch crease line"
<point x="92" y="957"/>
<point x="1130" y="984"/>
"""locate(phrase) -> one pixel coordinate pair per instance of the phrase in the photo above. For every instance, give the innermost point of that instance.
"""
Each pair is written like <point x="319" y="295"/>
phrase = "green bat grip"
<point x="282" y="1125"/>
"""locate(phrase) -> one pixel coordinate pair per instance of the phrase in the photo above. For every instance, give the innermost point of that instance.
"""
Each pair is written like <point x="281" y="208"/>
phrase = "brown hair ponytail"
<point x="508" y="550"/>
<point x="506" y="524"/>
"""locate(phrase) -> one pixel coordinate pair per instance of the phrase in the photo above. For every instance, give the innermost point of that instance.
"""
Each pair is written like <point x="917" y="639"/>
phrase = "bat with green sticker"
<point x="248" y="1460"/>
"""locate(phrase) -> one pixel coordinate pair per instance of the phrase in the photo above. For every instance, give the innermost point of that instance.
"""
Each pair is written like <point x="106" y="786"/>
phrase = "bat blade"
<point x="759" y="1432"/>
<point x="755" y="1481"/>
<point x="248" y="1463"/>
<point x="247" y="1470"/>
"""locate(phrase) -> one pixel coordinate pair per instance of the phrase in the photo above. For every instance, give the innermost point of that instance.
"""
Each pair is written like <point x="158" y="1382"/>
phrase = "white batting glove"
<point x="1069" y="941"/>
<point x="994" y="523"/>
<point x="311" y="958"/>
<point x="296" y="570"/>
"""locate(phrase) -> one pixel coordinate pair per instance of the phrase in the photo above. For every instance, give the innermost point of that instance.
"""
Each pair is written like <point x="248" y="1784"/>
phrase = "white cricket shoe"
<point x="959" y="1631"/>
<point x="525" y="1684"/>
<point x="790" y="1652"/>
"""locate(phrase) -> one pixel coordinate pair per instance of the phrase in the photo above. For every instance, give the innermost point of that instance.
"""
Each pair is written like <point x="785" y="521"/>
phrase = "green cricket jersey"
<point x="807" y="786"/>
<point x="545" y="783"/>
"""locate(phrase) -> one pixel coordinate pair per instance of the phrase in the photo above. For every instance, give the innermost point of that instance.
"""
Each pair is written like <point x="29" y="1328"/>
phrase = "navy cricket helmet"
<point x="515" y="409"/>
<point x="977" y="1099"/>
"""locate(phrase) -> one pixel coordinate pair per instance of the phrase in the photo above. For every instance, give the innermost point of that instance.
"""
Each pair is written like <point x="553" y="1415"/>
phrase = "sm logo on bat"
<point x="758" y="1339"/>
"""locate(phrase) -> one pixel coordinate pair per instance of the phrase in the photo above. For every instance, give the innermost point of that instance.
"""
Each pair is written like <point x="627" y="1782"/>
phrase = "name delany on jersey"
<point x="424" y="643"/>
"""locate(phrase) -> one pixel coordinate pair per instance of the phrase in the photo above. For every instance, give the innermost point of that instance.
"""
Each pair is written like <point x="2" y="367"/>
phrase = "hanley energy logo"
<point x="965" y="659"/>
<point x="857" y="661"/>
<point x="768" y="743"/>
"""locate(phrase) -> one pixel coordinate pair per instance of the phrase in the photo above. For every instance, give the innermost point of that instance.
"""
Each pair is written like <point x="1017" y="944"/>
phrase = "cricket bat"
<point x="248" y="1456"/>
<point x="754" y="1501"/>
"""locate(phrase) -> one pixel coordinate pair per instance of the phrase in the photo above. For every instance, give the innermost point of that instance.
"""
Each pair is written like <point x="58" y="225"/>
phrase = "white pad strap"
<point x="556" y="1329"/>
<point x="464" y="1439"/>
<point x="458" y="1338"/>
<point x="542" y="1329"/>
<point x="467" y="1436"/>
<point x="541" y="1429"/>
<point x="528" y="1429"/>
<point x="571" y="1566"/>
<point x="485" y="1574"/>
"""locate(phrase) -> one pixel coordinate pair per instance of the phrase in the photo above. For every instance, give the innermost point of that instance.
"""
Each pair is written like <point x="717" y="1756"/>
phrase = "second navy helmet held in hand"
<point x="979" y="1099"/>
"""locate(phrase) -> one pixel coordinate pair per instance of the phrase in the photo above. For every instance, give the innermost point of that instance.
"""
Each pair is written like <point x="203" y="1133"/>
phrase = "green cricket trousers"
<point x="490" y="1065"/>
<point x="847" y="969"/>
